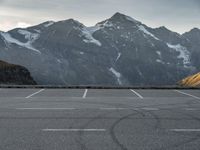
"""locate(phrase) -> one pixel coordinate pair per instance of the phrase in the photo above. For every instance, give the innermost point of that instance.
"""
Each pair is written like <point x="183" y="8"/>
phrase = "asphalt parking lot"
<point x="99" y="119"/>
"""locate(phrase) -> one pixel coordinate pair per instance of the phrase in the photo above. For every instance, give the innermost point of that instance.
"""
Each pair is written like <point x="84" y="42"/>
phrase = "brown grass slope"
<point x="14" y="74"/>
<point x="191" y="81"/>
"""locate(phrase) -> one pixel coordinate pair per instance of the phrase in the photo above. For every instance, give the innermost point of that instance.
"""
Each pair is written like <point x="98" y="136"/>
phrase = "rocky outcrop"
<point x="15" y="75"/>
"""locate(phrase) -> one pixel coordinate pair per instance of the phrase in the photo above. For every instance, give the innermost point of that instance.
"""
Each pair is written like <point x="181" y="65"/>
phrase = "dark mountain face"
<point x="2" y="42"/>
<point x="193" y="37"/>
<point x="14" y="74"/>
<point x="117" y="51"/>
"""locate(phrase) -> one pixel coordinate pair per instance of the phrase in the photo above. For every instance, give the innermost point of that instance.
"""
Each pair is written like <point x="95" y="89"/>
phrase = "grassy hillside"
<point x="191" y="81"/>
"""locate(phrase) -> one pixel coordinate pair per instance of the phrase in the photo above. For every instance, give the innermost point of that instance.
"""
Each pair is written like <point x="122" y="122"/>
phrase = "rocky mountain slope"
<point x="116" y="51"/>
<point x="15" y="75"/>
<point x="191" y="81"/>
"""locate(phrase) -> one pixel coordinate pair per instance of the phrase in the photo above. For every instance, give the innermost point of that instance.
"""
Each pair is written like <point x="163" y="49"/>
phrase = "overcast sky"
<point x="177" y="15"/>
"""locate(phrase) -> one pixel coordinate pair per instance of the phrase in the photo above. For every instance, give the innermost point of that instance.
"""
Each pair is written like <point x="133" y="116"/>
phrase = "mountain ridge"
<point x="117" y="51"/>
<point x="117" y="13"/>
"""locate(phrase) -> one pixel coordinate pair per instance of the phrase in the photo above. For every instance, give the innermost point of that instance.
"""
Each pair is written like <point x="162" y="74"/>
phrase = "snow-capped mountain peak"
<point x="121" y="17"/>
<point x="72" y="22"/>
<point x="48" y="23"/>
<point x="117" y="51"/>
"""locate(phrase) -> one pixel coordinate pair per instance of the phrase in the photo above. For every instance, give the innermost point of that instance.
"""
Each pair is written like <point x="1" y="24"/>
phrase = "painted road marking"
<point x="190" y="109"/>
<point x="115" y="108"/>
<point x="106" y="108"/>
<point x="136" y="93"/>
<point x="35" y="93"/>
<point x="185" y="130"/>
<point x="187" y="94"/>
<point x="85" y="93"/>
<point x="74" y="130"/>
<point x="45" y="108"/>
<point x="150" y="109"/>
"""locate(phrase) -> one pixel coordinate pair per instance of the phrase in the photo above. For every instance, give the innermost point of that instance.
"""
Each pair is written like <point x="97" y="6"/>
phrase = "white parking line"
<point x="45" y="108"/>
<point x="190" y="109"/>
<point x="150" y="109"/>
<point x="35" y="93"/>
<point x="136" y="93"/>
<point x="185" y="130"/>
<point x="187" y="94"/>
<point x="83" y="108"/>
<point x="114" y="108"/>
<point x="85" y="93"/>
<point x="103" y="108"/>
<point x="73" y="130"/>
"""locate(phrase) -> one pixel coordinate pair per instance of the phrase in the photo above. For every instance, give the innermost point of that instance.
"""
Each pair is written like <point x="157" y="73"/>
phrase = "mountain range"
<point x="119" y="51"/>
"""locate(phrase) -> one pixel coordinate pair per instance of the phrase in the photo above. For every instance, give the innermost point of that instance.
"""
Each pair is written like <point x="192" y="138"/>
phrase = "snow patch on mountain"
<point x="49" y="23"/>
<point x="139" y="72"/>
<point x="116" y="74"/>
<point x="107" y="23"/>
<point x="118" y="56"/>
<point x="144" y="30"/>
<point x="88" y="34"/>
<point x="38" y="31"/>
<point x="159" y="53"/>
<point x="92" y="29"/>
<point x="28" y="44"/>
<point x="31" y="37"/>
<point x="59" y="61"/>
<point x="99" y="26"/>
<point x="184" y="53"/>
<point x="159" y="61"/>
<point x="131" y="19"/>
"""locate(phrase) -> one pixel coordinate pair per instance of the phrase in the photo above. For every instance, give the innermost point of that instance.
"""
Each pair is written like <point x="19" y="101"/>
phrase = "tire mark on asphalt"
<point x="157" y="125"/>
<point x="184" y="142"/>
<point x="81" y="133"/>
<point x="80" y="141"/>
<point x="116" y="123"/>
<point x="86" y="102"/>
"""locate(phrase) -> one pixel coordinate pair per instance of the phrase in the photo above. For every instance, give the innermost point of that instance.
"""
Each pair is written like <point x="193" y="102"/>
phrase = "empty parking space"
<point x="194" y="92"/>
<point x="54" y="93"/>
<point x="6" y="93"/>
<point x="110" y="93"/>
<point x="159" y="93"/>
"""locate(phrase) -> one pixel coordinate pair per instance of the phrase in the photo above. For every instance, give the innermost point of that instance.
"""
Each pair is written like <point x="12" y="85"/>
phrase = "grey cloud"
<point x="47" y="4"/>
<point x="172" y="13"/>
